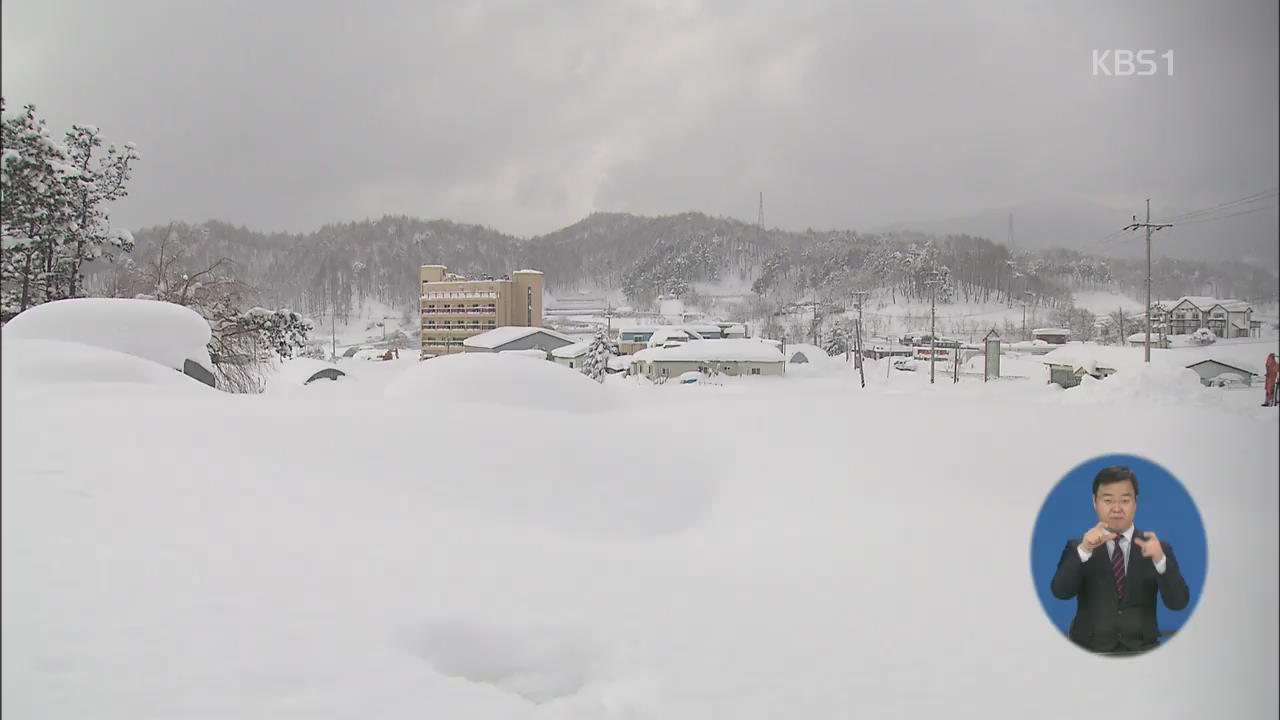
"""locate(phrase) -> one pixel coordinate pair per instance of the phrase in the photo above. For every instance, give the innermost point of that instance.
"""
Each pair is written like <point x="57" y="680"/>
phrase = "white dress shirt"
<point x="1126" y="544"/>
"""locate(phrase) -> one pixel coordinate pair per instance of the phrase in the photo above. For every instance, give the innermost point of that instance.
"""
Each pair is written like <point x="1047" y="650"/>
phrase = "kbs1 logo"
<point x="1121" y="63"/>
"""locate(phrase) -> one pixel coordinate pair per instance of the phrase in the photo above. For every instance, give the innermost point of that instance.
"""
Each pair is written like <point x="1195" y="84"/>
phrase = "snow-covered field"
<point x="392" y="545"/>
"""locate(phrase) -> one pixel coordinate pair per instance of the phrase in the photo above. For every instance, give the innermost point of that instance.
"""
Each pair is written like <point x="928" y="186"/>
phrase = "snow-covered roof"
<point x="703" y="327"/>
<point x="162" y="332"/>
<point x="1234" y="365"/>
<point x="1050" y="331"/>
<point x="714" y="350"/>
<point x="498" y="337"/>
<point x="1202" y="302"/>
<point x="1091" y="356"/>
<point x="528" y="272"/>
<point x="533" y="353"/>
<point x="572" y="351"/>
<point x="1234" y="305"/>
<point x="666" y="334"/>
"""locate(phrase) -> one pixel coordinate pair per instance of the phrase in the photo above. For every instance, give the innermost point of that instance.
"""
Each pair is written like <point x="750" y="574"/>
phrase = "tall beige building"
<point x="454" y="308"/>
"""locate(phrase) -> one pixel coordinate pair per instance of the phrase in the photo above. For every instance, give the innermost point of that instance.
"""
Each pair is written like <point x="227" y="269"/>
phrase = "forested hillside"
<point x="343" y="266"/>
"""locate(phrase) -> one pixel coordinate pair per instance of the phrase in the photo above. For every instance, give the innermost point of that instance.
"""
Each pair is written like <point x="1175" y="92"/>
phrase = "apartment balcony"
<point x="459" y="295"/>
<point x="492" y="312"/>
<point x="472" y="329"/>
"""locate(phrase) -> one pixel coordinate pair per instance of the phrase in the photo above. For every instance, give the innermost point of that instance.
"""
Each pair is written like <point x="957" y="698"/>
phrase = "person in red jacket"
<point x="1272" y="368"/>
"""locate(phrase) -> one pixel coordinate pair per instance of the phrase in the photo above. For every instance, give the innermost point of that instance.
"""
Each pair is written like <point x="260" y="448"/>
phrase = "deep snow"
<point x="768" y="547"/>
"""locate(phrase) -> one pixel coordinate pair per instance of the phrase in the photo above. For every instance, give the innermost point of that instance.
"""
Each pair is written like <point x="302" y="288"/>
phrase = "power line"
<point x="1226" y="205"/>
<point x="1224" y="217"/>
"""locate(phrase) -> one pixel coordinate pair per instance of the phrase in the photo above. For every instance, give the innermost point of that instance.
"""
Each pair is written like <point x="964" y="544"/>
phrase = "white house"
<point x="516" y="337"/>
<point x="1226" y="318"/>
<point x="728" y="357"/>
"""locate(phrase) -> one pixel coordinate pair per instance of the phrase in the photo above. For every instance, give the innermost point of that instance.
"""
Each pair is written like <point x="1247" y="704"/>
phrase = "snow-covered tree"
<point x="34" y="210"/>
<point x="53" y="217"/>
<point x="95" y="183"/>
<point x="837" y="341"/>
<point x="597" y="361"/>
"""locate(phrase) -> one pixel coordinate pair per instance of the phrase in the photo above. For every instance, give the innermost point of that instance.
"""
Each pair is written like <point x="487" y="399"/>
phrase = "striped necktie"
<point x="1117" y="565"/>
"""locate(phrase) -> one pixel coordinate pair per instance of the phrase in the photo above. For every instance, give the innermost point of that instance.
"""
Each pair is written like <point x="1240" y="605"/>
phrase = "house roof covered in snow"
<point x="666" y="334"/>
<point x="1202" y="302"/>
<point x="714" y="351"/>
<point x="1050" y="331"/>
<point x="1090" y="357"/>
<point x="1235" y="306"/>
<point x="572" y="351"/>
<point x="498" y="337"/>
<point x="1234" y="365"/>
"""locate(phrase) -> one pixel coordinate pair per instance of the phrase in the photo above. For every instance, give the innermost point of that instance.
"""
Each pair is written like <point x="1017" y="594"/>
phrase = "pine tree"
<point x="837" y="341"/>
<point x="92" y="187"/>
<point x="35" y="212"/>
<point x="53" y="218"/>
<point x="597" y="362"/>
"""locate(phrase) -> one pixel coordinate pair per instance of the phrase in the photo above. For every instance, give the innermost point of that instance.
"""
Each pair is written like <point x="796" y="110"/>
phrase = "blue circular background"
<point x="1164" y="507"/>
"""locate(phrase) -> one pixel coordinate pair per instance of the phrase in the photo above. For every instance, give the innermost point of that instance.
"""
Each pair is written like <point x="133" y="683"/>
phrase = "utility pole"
<point x="862" y="377"/>
<point x="815" y="314"/>
<point x="933" y="339"/>
<point x="955" y="369"/>
<point x="1146" y="345"/>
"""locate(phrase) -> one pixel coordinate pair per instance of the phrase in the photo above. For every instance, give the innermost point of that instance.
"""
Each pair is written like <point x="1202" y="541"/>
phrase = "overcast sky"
<point x="528" y="116"/>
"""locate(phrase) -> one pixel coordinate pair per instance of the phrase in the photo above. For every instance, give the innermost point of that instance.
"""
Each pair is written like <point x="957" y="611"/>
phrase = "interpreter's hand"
<point x="1150" y="546"/>
<point x="1096" y="537"/>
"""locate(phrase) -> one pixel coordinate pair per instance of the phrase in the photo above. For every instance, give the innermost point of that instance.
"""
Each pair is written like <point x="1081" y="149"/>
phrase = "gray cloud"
<point x="527" y="116"/>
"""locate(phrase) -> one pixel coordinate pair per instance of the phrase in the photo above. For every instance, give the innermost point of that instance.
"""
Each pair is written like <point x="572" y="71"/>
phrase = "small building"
<point x="1069" y="363"/>
<point x="1140" y="340"/>
<point x="1210" y="369"/>
<point x="1052" y="336"/>
<point x="571" y="356"/>
<point x="516" y="337"/>
<point x="727" y="357"/>
<point x="634" y="339"/>
<point x="1068" y="375"/>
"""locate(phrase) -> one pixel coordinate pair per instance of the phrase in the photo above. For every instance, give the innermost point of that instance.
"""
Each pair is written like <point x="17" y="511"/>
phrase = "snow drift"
<point x="158" y="331"/>
<point x="498" y="379"/>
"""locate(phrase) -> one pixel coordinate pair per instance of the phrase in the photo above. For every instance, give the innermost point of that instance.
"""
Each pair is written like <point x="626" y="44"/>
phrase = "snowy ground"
<point x="764" y="548"/>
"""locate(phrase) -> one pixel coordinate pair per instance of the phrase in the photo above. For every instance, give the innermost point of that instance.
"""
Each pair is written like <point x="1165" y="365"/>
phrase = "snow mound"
<point x="34" y="363"/>
<point x="539" y="664"/>
<point x="158" y="331"/>
<point x="1159" y="383"/>
<point x="501" y="379"/>
<point x="298" y="372"/>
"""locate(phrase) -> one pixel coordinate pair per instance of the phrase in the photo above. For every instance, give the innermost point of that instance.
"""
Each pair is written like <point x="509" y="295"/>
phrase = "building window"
<point x="665" y="371"/>
<point x="755" y="371"/>
<point x="570" y="364"/>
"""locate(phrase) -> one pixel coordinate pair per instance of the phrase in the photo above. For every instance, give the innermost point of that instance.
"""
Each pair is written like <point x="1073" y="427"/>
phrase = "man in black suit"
<point x="1115" y="589"/>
